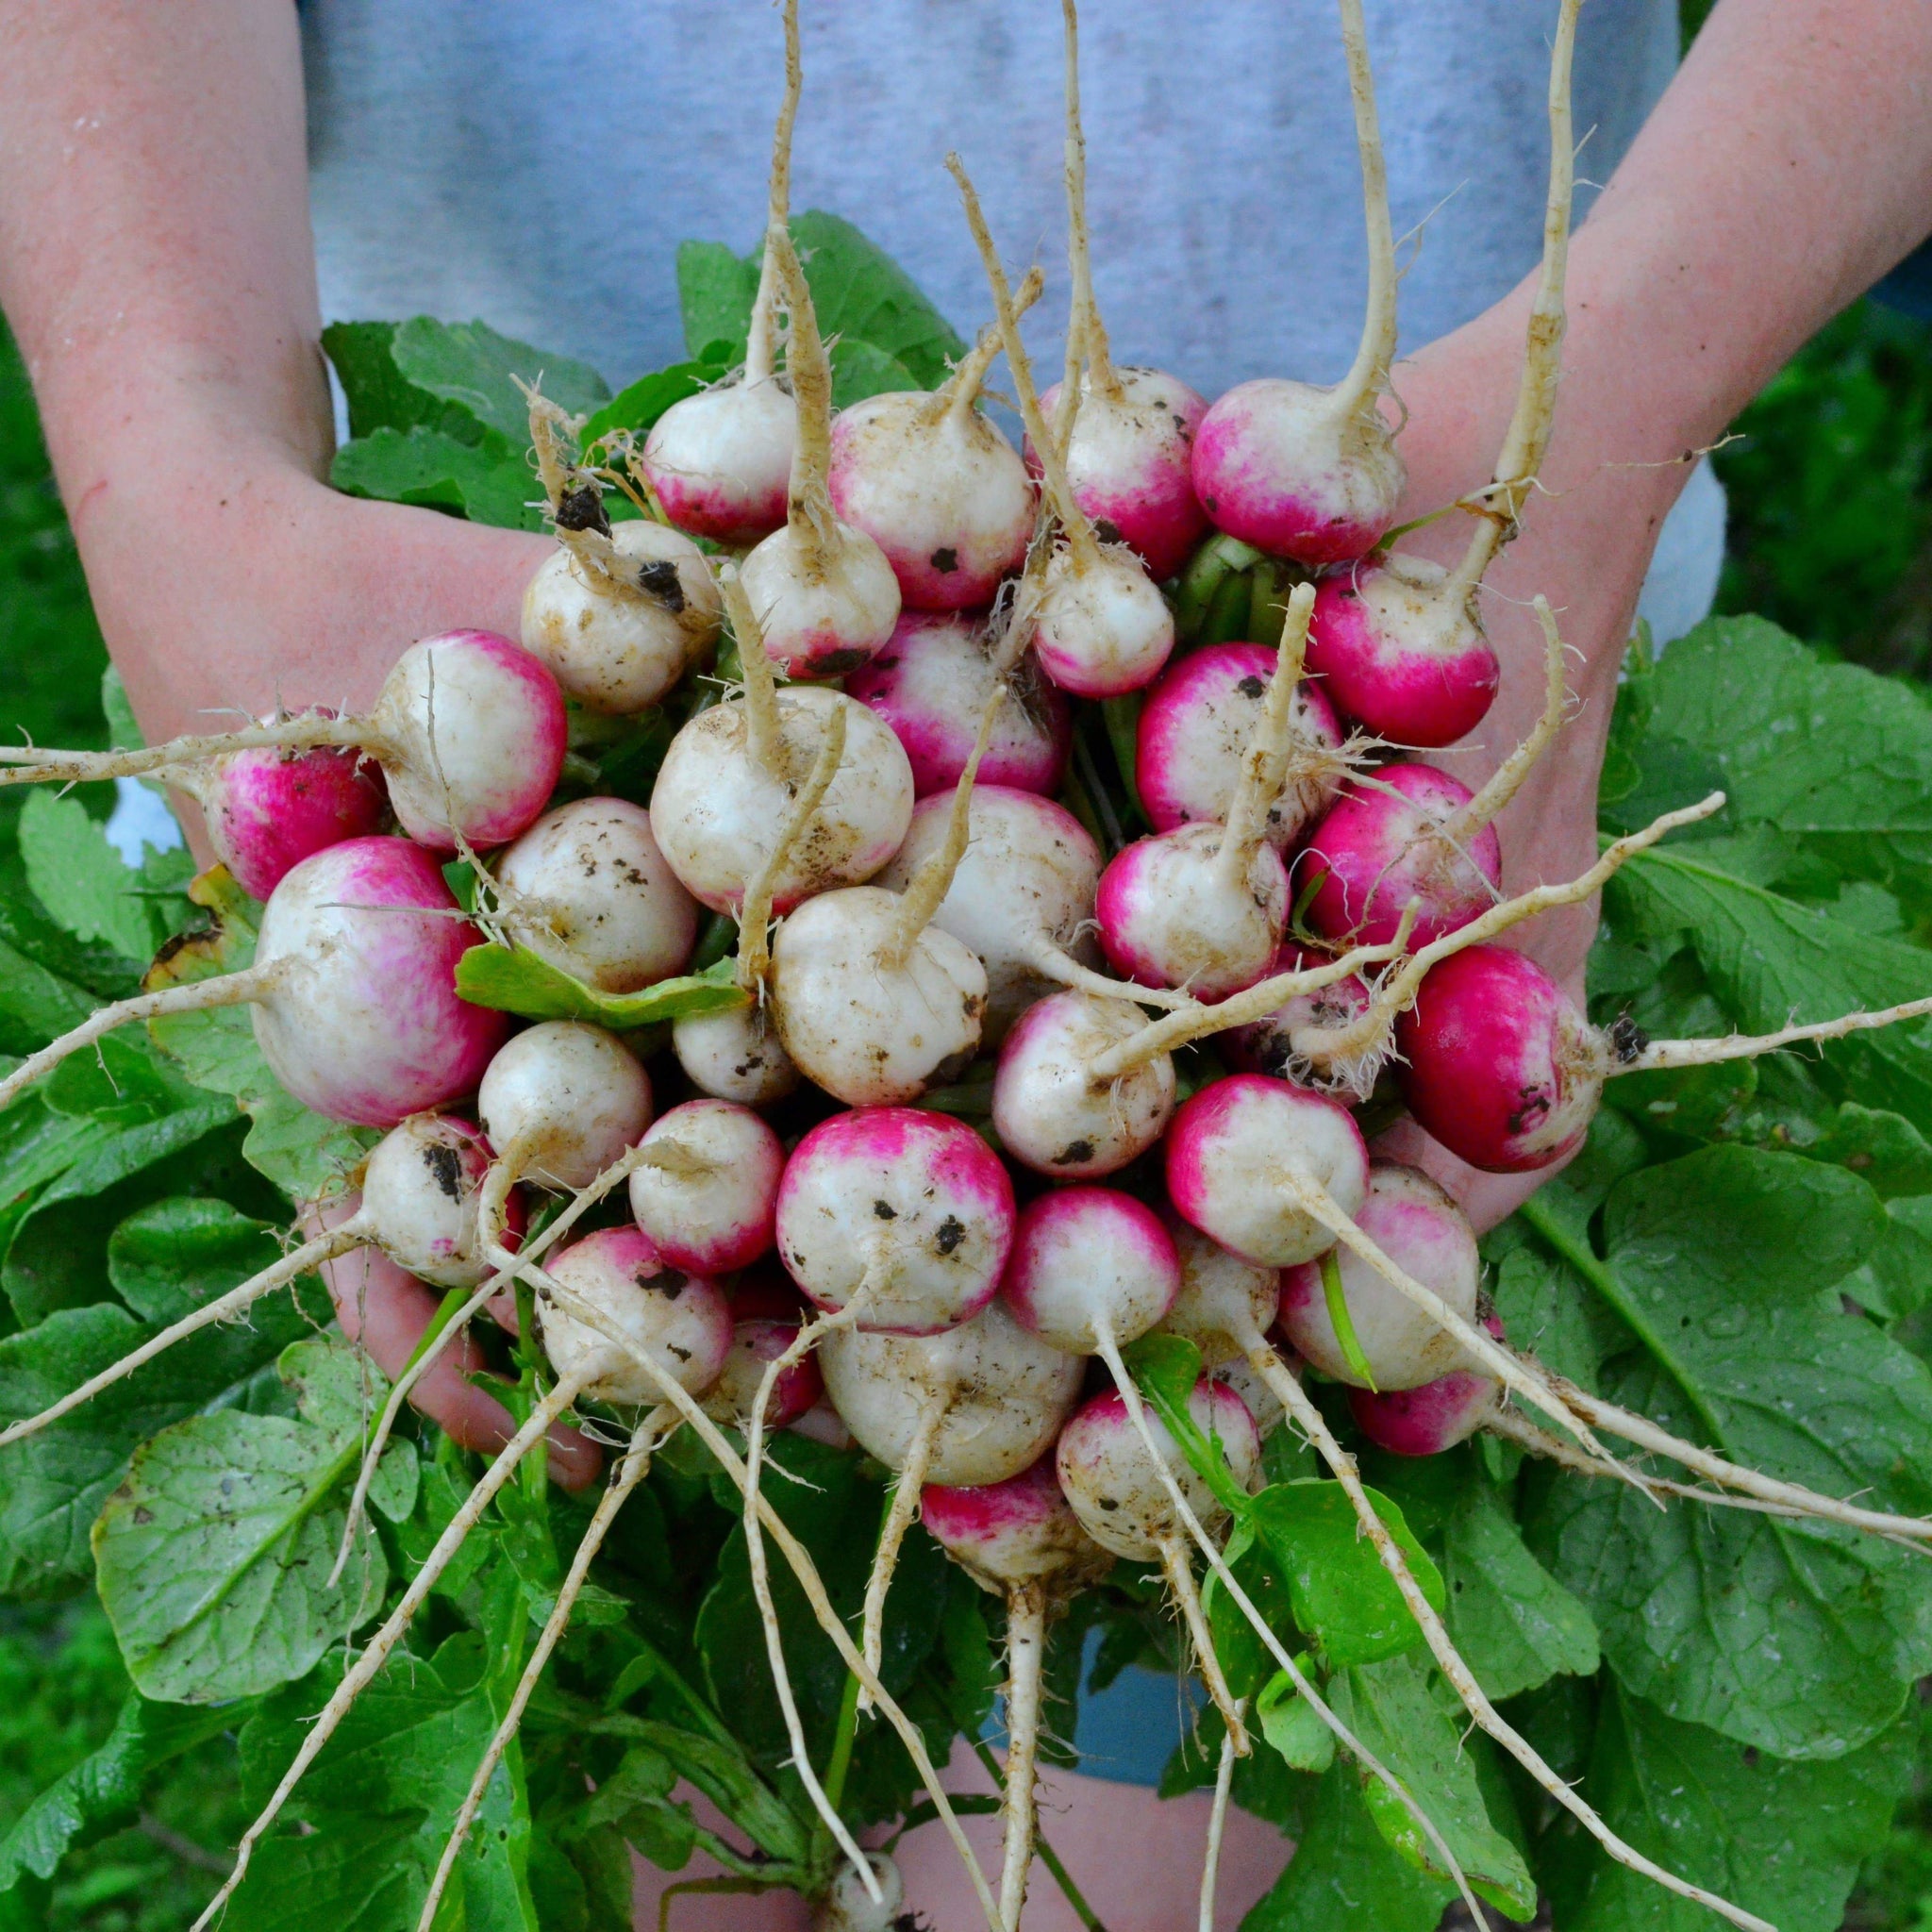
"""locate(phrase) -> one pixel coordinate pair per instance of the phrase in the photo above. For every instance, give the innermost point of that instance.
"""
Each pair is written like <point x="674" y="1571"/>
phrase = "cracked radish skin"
<point x="1196" y="725"/>
<point x="1423" y="1232"/>
<point x="930" y="683"/>
<point x="914" y="1204"/>
<point x="365" y="1024"/>
<point x="587" y="890"/>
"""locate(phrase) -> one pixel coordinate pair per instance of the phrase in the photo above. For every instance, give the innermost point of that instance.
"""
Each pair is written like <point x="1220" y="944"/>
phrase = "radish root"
<point x="907" y="1488"/>
<point x="1217" y="1825"/>
<point x="1025" y="1657"/>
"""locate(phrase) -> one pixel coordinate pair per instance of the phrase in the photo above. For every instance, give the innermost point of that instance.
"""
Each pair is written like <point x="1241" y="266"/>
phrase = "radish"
<point x="1220" y="1299"/>
<point x="353" y="987"/>
<point x="561" y="1102"/>
<point x="1096" y="623"/>
<point x="721" y="461"/>
<point x="1433" y="1417"/>
<point x="619" y="615"/>
<point x="1019" y="898"/>
<point x="1408" y="833"/>
<point x="1200" y="719"/>
<point x="823" y="591"/>
<point x="848" y="1906"/>
<point x="681" y="1321"/>
<point x="268" y="809"/>
<point x="974" y="1404"/>
<point x="872" y="1001"/>
<point x="1395" y="1344"/>
<point x="1266" y="1045"/>
<point x="932" y="682"/>
<point x="735" y="1056"/>
<point x="1399" y="638"/>
<point x="731" y="775"/>
<point x="587" y="890"/>
<point x="1129" y="453"/>
<point x="1054" y="1113"/>
<point x="1123" y="1501"/>
<point x="936" y="485"/>
<point x="1204" y="906"/>
<point x="468" y="729"/>
<point x="1091" y="1271"/>
<point x="421" y="1187"/>
<point x="707" y="1190"/>
<point x="766" y="1318"/>
<point x="908" y="1214"/>
<point x="1232" y="1150"/>
<point x="1020" y="1539"/>
<point x="1306" y="472"/>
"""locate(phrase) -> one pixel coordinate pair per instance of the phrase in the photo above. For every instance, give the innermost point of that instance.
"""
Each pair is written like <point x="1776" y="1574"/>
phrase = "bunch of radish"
<point x="968" y="1133"/>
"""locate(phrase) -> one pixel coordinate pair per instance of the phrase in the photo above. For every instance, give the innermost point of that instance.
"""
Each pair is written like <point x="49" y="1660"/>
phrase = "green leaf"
<point x="306" y="1156"/>
<point x="861" y="370"/>
<point x="53" y="1484"/>
<point x="716" y="290"/>
<point x="212" y="1557"/>
<point x="1165" y="1369"/>
<point x="1783" y="1840"/>
<point x="1345" y="1878"/>
<point x="517" y="981"/>
<point x="81" y="880"/>
<point x="177" y="1254"/>
<point x="468" y="363"/>
<point x="1794" y="1637"/>
<point x="103" y="1793"/>
<point x="384" y="1795"/>
<point x="861" y="294"/>
<point x="1292" y="1725"/>
<point x="1770" y="961"/>
<point x="1514" y="1624"/>
<point x="1342" y="1596"/>
<point x="1897" y="1280"/>
<point x="489" y="482"/>
<point x="380" y="395"/>
<point x="1392" y="1708"/>
<point x="638" y="404"/>
<point x="124" y="1081"/>
<point x="1825" y="754"/>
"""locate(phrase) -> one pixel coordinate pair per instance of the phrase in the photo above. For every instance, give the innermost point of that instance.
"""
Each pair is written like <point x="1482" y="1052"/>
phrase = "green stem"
<point x="1048" y="1856"/>
<point x="840" y="1764"/>
<point x="1343" y="1321"/>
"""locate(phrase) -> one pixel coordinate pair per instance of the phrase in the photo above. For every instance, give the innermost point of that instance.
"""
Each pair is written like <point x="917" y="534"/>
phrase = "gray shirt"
<point x="534" y="163"/>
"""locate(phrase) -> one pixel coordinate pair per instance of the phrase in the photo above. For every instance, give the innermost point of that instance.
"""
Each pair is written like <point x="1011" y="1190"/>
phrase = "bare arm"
<point x="1789" y="166"/>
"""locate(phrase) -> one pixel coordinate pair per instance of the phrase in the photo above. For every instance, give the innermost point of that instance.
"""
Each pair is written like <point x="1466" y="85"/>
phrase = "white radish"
<point x="1411" y="1220"/>
<point x="1222" y="1297"/>
<point x="734" y="1056"/>
<point x="1091" y="1270"/>
<point x="823" y="591"/>
<point x="587" y="890"/>
<point x="1051" y="1111"/>
<point x="707" y="1187"/>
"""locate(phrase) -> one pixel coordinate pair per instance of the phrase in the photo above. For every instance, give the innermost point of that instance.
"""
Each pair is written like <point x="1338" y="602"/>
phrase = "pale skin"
<point x="157" y="265"/>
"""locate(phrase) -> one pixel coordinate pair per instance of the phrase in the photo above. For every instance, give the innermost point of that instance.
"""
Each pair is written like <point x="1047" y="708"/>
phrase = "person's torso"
<point x="536" y="163"/>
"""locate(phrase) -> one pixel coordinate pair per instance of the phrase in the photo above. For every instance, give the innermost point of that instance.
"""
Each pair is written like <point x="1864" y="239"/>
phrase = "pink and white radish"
<point x="1308" y="473"/>
<point x="936" y="485"/>
<point x="824" y="593"/>
<point x="908" y="1214"/>
<point x="1122" y="1496"/>
<point x="706" y="1189"/>
<point x="1399" y="638"/>
<point x="974" y="1404"/>
<point x="1227" y="1308"/>
<point x="1054" y="1113"/>
<point x="1396" y="1344"/>
<point x="1242" y="1154"/>
<point x="932" y="682"/>
<point x="1205" y="905"/>
<point x="725" y="792"/>
<point x="1266" y="1045"/>
<point x="735" y="1055"/>
<point x="1436" y="1416"/>
<point x="587" y="890"/>
<point x="1020" y="897"/>
<point x="721" y="461"/>
<point x="468" y="729"/>
<point x="1097" y="624"/>
<point x="766" y="1319"/>
<point x="1020" y="1539"/>
<point x="1128" y="452"/>
<point x="1198" y="723"/>
<point x="1091" y="1270"/>
<point x="268" y="809"/>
